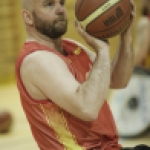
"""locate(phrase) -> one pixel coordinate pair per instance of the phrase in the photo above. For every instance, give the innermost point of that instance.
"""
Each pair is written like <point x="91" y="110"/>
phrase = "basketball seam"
<point x="89" y="12"/>
<point x="113" y="34"/>
<point x="100" y="15"/>
<point x="112" y="26"/>
<point x="78" y="10"/>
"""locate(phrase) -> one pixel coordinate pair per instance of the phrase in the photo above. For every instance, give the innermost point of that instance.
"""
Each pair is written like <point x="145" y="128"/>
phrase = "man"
<point x="63" y="85"/>
<point x="142" y="44"/>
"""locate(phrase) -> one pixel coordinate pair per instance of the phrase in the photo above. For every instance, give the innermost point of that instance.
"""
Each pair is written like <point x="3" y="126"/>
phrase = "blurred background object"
<point x="131" y="106"/>
<point x="11" y="39"/>
<point x="142" y="39"/>
<point x="9" y="47"/>
<point x="5" y="121"/>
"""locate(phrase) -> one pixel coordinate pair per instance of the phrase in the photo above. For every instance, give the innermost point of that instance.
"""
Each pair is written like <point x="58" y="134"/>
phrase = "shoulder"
<point x="91" y="54"/>
<point x="38" y="58"/>
<point x="41" y="68"/>
<point x="41" y="61"/>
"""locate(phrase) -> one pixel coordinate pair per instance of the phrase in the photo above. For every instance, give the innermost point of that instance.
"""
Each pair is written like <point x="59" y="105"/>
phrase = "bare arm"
<point x="122" y="65"/>
<point x="123" y="62"/>
<point x="52" y="78"/>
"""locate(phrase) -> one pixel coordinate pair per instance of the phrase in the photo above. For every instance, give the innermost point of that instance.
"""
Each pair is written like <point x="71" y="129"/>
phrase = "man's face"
<point x="50" y="18"/>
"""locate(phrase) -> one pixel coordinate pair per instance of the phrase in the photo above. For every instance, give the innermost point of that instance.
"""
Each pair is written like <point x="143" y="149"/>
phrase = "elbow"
<point x="119" y="85"/>
<point x="121" y="82"/>
<point x="122" y="86"/>
<point x="86" y="109"/>
<point x="125" y="83"/>
<point x="89" y="115"/>
<point x="89" y="118"/>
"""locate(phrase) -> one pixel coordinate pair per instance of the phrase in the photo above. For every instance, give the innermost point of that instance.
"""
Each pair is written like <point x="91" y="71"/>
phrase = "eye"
<point x="49" y="4"/>
<point x="62" y="3"/>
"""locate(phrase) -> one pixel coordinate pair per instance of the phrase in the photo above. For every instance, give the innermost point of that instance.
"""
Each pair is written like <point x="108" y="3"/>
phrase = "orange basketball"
<point x="103" y="18"/>
<point x="5" y="121"/>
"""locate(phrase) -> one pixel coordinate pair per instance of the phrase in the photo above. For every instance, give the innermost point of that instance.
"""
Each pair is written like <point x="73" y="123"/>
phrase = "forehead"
<point x="27" y="4"/>
<point x="35" y="3"/>
<point x="47" y="0"/>
<point x="44" y="1"/>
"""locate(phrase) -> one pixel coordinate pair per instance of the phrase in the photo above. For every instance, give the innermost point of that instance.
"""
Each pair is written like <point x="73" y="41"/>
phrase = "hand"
<point x="95" y="43"/>
<point x="128" y="31"/>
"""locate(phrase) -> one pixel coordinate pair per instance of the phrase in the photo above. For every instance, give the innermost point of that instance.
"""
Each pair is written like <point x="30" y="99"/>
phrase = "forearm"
<point x="94" y="90"/>
<point x="123" y="66"/>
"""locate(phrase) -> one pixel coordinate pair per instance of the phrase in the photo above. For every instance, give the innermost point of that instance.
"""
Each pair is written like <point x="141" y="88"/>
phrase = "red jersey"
<point x="56" y="129"/>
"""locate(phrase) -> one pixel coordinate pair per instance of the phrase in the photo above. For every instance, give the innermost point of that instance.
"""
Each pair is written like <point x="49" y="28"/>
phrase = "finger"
<point x="80" y="29"/>
<point x="88" y="38"/>
<point x="82" y="33"/>
<point x="132" y="3"/>
<point x="133" y="13"/>
<point x="105" y="41"/>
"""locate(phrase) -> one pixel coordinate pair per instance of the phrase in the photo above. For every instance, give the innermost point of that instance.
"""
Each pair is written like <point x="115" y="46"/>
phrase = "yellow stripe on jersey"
<point x="98" y="12"/>
<point x="56" y="120"/>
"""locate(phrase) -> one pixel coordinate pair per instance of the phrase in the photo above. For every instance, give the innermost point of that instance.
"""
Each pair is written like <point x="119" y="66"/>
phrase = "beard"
<point x="52" y="30"/>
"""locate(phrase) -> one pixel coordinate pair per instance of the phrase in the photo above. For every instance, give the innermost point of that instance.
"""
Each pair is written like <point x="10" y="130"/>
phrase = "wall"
<point x="9" y="38"/>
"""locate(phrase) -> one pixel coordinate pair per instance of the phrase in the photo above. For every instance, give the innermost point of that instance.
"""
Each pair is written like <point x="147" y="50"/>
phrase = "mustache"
<point x="61" y="18"/>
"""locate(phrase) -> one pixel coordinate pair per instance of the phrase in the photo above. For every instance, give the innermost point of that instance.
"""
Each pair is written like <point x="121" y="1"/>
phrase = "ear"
<point x="27" y="17"/>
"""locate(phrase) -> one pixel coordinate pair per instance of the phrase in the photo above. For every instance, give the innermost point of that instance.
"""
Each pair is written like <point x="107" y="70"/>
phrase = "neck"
<point x="55" y="44"/>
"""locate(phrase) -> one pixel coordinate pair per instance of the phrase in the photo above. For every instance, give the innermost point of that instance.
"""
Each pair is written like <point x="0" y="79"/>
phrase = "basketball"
<point x="5" y="121"/>
<point x="103" y="19"/>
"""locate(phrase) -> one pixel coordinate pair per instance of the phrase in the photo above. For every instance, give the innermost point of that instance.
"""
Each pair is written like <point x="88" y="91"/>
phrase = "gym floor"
<point x="20" y="137"/>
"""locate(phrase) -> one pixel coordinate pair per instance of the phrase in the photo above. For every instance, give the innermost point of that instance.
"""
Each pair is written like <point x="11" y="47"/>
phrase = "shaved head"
<point x="39" y="17"/>
<point x="27" y="4"/>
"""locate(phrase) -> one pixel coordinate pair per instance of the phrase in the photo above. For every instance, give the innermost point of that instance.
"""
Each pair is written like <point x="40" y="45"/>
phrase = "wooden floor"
<point x="20" y="138"/>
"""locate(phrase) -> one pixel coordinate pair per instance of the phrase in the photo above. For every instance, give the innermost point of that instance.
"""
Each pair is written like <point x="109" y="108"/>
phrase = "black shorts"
<point x="138" y="147"/>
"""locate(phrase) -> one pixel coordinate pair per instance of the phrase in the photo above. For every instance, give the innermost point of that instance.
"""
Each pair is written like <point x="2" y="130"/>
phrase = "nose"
<point x="59" y="9"/>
